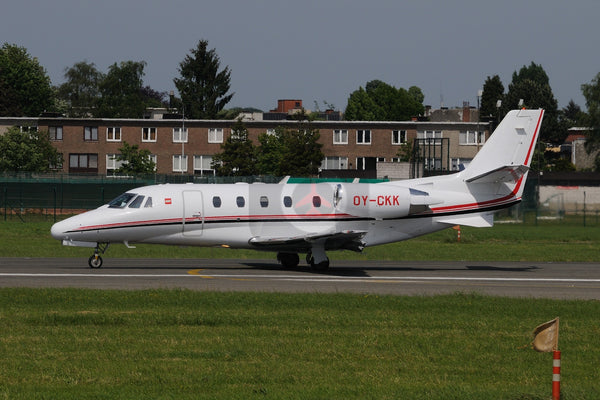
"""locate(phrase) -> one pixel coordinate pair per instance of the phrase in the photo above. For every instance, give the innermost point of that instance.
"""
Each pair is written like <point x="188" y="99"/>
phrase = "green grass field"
<point x="549" y="241"/>
<point x="87" y="344"/>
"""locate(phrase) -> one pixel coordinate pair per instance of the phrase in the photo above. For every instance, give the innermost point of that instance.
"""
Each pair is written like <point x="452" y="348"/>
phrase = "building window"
<point x="179" y="163"/>
<point x="28" y="129"/>
<point x="458" y="164"/>
<point x="154" y="159"/>
<point x="203" y="165"/>
<point x="215" y="135"/>
<point x="334" y="162"/>
<point x="398" y="137"/>
<point x="112" y="163"/>
<point x="58" y="165"/>
<point x="340" y="136"/>
<point x="435" y="137"/>
<point x="180" y="135"/>
<point x="380" y="159"/>
<point x="148" y="134"/>
<point x="471" y="138"/>
<point x="90" y="133"/>
<point x="55" y="132"/>
<point x="83" y="163"/>
<point x="363" y="136"/>
<point x="113" y="134"/>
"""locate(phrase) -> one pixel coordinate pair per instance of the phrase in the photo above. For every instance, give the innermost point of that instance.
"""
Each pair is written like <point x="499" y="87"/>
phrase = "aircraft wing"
<point x="347" y="240"/>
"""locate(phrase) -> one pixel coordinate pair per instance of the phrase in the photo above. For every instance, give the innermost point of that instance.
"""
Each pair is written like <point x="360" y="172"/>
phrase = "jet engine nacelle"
<point x="376" y="201"/>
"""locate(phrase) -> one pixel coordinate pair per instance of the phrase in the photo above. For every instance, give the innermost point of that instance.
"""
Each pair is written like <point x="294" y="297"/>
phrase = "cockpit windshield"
<point x="137" y="202"/>
<point x="122" y="200"/>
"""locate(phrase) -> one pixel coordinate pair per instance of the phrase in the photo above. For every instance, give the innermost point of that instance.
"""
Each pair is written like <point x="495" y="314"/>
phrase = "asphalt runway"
<point x="515" y="279"/>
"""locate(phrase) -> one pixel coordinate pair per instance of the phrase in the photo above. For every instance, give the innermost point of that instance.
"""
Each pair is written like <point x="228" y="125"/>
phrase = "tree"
<point x="121" y="91"/>
<point x="382" y="102"/>
<point x="153" y="98"/>
<point x="361" y="107"/>
<point x="493" y="90"/>
<point x="237" y="156"/>
<point x="269" y="156"/>
<point x="24" y="84"/>
<point x="531" y="84"/>
<point x="134" y="160"/>
<point x="591" y="92"/>
<point x="27" y="151"/>
<point x="294" y="152"/>
<point x="81" y="90"/>
<point x="203" y="88"/>
<point x="571" y="116"/>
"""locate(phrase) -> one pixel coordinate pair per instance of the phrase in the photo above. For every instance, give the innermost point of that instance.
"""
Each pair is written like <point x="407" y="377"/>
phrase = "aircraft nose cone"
<point x="58" y="230"/>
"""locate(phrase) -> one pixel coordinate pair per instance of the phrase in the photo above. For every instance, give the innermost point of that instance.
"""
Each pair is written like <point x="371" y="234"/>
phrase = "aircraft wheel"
<point x="322" y="266"/>
<point x="95" y="261"/>
<point x="288" y="260"/>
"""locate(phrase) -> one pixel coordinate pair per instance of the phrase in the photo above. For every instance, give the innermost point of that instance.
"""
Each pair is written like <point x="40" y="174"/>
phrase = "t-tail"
<point x="506" y="156"/>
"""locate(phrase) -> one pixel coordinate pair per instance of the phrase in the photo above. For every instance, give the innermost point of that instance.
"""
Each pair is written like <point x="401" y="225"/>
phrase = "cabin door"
<point x="193" y="213"/>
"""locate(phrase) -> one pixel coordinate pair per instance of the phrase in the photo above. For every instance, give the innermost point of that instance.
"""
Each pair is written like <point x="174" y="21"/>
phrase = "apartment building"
<point x="181" y="146"/>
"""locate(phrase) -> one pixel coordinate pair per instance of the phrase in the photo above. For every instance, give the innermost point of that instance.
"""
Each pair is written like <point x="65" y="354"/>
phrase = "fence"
<point x="27" y="194"/>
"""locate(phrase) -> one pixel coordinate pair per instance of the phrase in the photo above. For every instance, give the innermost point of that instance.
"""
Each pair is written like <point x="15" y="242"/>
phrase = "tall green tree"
<point x="202" y="86"/>
<point x="591" y="92"/>
<point x="81" y="90"/>
<point x="27" y="151"/>
<point x="269" y="156"/>
<point x="361" y="107"/>
<point x="493" y="91"/>
<point x="531" y="84"/>
<point x="380" y="101"/>
<point x="24" y="85"/>
<point x="121" y="91"/>
<point x="237" y="156"/>
<point x="135" y="160"/>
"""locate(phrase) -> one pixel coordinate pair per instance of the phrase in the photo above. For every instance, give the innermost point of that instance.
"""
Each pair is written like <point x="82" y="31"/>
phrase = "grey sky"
<point x="320" y="50"/>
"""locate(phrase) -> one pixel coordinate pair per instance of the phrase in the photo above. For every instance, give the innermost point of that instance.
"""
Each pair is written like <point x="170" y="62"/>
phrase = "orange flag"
<point x="545" y="336"/>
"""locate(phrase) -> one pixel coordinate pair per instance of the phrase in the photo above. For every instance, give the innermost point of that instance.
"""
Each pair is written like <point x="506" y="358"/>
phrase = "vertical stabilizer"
<point x="509" y="149"/>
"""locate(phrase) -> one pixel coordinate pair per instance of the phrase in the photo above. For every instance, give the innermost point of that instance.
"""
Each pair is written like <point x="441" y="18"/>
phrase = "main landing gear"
<point x="291" y="260"/>
<point x="95" y="261"/>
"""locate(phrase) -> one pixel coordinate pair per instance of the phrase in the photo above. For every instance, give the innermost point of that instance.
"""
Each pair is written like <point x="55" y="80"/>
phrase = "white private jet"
<point x="313" y="218"/>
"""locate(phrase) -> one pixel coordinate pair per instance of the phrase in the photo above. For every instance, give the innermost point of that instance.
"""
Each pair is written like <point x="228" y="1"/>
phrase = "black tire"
<point x="322" y="266"/>
<point x="288" y="260"/>
<point x="95" y="262"/>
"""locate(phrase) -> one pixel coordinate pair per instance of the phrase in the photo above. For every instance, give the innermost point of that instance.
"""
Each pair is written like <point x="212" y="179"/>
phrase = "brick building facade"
<point x="186" y="146"/>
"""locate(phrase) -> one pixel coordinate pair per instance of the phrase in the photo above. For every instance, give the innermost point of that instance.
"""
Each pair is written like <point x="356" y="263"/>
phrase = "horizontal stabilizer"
<point x="509" y="173"/>
<point x="480" y="220"/>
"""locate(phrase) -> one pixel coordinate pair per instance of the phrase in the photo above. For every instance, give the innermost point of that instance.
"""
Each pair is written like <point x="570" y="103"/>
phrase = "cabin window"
<point x="316" y="201"/>
<point x="264" y="201"/>
<point x="137" y="202"/>
<point x="122" y="200"/>
<point x="216" y="201"/>
<point x="240" y="201"/>
<point x="148" y="203"/>
<point x="287" y="201"/>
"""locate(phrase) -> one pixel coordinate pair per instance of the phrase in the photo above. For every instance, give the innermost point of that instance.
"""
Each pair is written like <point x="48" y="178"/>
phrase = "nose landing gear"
<point x="95" y="261"/>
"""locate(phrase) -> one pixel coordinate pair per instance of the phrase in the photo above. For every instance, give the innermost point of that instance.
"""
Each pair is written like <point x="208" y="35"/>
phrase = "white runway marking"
<point x="303" y="278"/>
